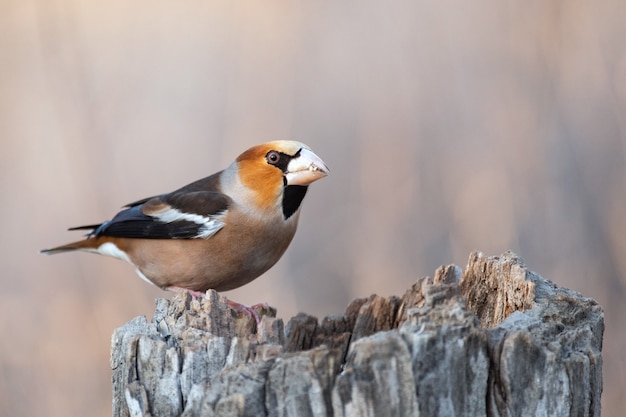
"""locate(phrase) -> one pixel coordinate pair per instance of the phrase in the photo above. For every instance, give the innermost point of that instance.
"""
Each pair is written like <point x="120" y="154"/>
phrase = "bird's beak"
<point x="305" y="168"/>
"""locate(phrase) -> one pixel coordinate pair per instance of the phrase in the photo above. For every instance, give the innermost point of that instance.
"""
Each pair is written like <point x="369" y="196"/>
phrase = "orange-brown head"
<point x="278" y="170"/>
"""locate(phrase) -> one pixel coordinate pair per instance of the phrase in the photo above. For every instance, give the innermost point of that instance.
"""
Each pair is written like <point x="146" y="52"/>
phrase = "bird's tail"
<point x="87" y="244"/>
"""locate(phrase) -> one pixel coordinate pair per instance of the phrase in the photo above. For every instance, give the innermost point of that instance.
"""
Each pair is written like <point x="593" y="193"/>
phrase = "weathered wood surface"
<point x="493" y="340"/>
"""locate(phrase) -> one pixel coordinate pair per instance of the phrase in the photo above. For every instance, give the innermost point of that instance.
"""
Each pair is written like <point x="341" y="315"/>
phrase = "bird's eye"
<point x="272" y="157"/>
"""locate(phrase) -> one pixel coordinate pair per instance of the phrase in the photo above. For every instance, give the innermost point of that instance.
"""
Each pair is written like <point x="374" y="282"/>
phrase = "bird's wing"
<point x="179" y="215"/>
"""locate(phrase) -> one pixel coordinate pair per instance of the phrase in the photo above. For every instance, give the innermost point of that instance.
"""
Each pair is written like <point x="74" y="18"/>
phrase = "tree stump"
<point x="493" y="340"/>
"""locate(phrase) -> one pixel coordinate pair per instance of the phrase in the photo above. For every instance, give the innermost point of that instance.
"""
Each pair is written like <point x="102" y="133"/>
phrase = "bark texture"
<point x="493" y="340"/>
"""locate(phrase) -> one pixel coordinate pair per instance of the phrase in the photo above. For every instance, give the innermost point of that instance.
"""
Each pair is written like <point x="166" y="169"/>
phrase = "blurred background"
<point x="449" y="126"/>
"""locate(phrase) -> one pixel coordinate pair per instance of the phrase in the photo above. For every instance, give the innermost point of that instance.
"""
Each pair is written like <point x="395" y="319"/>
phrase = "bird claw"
<point x="248" y="311"/>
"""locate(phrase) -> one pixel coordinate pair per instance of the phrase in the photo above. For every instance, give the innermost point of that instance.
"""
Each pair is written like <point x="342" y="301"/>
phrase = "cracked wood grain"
<point x="494" y="339"/>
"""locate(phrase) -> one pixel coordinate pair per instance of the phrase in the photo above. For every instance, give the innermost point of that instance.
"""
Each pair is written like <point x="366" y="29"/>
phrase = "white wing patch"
<point x="208" y="225"/>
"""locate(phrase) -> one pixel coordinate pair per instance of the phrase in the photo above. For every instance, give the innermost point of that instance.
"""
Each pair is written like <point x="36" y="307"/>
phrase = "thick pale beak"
<point x="306" y="168"/>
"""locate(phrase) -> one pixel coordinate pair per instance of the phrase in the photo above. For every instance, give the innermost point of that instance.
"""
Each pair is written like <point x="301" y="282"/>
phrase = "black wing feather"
<point x="132" y="222"/>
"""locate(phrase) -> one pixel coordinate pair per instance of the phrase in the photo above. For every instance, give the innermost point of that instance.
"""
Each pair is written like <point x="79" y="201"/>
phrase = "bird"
<point x="219" y="232"/>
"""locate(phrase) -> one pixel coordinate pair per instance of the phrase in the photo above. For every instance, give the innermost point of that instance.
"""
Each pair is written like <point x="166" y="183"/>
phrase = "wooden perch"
<point x="493" y="340"/>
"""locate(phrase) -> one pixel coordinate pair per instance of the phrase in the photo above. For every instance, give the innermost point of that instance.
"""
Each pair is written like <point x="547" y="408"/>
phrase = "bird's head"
<point x="280" y="172"/>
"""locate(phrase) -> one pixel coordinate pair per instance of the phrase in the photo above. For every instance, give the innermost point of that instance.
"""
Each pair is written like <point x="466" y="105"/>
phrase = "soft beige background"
<point x="449" y="126"/>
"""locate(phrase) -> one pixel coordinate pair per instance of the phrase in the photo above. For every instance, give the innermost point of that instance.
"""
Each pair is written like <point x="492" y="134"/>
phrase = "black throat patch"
<point x="292" y="198"/>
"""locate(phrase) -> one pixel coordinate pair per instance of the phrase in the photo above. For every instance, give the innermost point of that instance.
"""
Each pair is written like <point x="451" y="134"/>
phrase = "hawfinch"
<point x="220" y="232"/>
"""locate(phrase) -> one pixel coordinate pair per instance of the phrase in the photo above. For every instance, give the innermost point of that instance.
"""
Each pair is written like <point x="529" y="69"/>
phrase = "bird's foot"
<point x="248" y="311"/>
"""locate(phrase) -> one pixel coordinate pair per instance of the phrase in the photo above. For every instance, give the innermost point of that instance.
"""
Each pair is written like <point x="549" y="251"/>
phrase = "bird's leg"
<point x="249" y="311"/>
<point x="261" y="306"/>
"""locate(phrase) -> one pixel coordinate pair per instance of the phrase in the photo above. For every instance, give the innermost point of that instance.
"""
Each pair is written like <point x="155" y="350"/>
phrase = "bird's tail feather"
<point x="87" y="227"/>
<point x="86" y="244"/>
